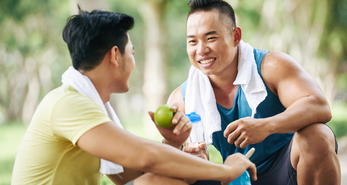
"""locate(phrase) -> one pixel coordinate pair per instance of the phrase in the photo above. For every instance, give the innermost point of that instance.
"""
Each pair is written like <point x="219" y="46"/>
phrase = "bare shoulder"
<point x="278" y="66"/>
<point x="288" y="80"/>
<point x="176" y="97"/>
<point x="279" y="58"/>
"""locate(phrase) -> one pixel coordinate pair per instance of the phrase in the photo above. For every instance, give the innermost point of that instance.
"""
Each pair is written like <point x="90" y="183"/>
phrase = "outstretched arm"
<point x="112" y="143"/>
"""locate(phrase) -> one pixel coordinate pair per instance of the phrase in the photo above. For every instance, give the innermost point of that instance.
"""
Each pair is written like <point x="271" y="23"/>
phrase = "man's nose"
<point x="202" y="49"/>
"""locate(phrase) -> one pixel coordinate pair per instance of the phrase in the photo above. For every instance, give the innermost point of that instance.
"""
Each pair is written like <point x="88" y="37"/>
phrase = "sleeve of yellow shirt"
<point x="74" y="115"/>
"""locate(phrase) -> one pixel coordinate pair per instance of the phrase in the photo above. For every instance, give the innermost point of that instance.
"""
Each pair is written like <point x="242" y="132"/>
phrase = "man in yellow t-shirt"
<point x="48" y="153"/>
<point x="70" y="132"/>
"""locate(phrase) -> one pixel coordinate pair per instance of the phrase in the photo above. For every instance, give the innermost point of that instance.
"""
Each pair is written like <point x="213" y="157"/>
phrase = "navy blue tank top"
<point x="265" y="151"/>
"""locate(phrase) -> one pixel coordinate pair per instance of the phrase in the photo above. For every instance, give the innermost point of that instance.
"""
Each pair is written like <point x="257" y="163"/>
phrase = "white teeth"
<point x="206" y="61"/>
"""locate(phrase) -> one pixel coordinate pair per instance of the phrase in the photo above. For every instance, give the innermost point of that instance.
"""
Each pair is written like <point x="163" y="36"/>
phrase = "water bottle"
<point x="244" y="179"/>
<point x="197" y="134"/>
<point x="197" y="137"/>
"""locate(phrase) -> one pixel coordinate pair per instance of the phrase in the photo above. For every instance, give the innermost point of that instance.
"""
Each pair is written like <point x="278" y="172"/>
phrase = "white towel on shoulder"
<point x="200" y="97"/>
<point x="249" y="78"/>
<point x="84" y="86"/>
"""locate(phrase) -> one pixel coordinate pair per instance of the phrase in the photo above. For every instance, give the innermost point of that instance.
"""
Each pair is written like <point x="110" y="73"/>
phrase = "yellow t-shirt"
<point x="48" y="153"/>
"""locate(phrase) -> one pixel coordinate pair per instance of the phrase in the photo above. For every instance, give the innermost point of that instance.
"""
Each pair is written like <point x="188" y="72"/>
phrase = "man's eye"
<point x="211" y="38"/>
<point x="191" y="41"/>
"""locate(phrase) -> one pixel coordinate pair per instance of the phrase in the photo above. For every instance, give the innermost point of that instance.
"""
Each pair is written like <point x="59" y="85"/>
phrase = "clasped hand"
<point x="246" y="131"/>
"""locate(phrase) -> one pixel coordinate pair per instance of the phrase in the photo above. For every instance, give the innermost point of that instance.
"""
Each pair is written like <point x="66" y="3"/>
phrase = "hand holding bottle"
<point x="195" y="144"/>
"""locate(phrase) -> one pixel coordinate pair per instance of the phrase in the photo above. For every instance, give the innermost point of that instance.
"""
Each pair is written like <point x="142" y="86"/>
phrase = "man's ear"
<point x="115" y="56"/>
<point x="237" y="36"/>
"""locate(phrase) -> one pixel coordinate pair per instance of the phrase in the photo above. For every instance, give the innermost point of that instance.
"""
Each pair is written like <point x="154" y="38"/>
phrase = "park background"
<point x="33" y="56"/>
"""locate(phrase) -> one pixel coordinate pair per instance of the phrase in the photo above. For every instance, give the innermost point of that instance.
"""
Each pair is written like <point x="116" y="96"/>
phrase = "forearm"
<point x="109" y="142"/>
<point x="171" y="162"/>
<point x="303" y="112"/>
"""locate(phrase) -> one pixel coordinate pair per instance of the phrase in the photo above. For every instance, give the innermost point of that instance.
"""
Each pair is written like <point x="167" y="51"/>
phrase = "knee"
<point x="316" y="139"/>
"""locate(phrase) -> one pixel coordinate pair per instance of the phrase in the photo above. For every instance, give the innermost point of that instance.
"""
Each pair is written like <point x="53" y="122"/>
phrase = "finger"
<point x="178" y="115"/>
<point x="253" y="172"/>
<point x="205" y="156"/>
<point x="179" y="127"/>
<point x="203" y="153"/>
<point x="239" y="140"/>
<point x="151" y="114"/>
<point x="202" y="156"/>
<point x="233" y="136"/>
<point x="175" y="106"/>
<point x="244" y="143"/>
<point x="230" y="128"/>
<point x="187" y="127"/>
<point x="202" y="145"/>
<point x="203" y="148"/>
<point x="191" y="150"/>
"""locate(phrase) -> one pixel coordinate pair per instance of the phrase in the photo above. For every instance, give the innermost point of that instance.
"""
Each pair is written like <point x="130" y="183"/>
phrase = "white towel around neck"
<point x="200" y="97"/>
<point x="84" y="86"/>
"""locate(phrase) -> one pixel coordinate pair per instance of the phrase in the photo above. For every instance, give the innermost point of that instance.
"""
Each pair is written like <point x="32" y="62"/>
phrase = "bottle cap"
<point x="194" y="117"/>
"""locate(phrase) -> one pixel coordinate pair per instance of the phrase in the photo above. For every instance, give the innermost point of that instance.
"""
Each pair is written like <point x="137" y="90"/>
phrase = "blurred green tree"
<point x="30" y="45"/>
<point x="312" y="31"/>
<point x="33" y="55"/>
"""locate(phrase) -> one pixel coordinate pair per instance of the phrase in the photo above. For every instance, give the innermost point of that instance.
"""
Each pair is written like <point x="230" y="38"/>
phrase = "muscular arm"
<point x="114" y="144"/>
<point x="298" y="92"/>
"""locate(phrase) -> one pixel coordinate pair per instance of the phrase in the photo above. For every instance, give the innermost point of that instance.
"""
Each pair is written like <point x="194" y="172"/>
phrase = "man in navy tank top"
<point x="293" y="144"/>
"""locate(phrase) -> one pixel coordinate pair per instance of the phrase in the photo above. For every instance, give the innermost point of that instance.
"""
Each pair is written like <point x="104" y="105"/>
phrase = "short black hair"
<point x="90" y="35"/>
<point x="221" y="6"/>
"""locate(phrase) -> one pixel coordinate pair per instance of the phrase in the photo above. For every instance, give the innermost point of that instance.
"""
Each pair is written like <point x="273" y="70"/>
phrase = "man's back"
<point x="48" y="154"/>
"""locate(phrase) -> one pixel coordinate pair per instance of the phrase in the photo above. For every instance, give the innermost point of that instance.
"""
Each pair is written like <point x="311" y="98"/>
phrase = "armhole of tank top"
<point x="259" y="54"/>
<point x="183" y="90"/>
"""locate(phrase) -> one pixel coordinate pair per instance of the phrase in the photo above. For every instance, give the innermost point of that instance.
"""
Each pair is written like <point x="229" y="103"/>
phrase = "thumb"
<point x="151" y="114"/>
<point x="202" y="145"/>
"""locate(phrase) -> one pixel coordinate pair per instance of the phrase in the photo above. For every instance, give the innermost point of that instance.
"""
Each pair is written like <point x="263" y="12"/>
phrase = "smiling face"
<point x="211" y="42"/>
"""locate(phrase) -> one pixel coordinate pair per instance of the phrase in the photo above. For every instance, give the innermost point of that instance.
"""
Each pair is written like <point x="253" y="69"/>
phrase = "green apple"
<point x="163" y="116"/>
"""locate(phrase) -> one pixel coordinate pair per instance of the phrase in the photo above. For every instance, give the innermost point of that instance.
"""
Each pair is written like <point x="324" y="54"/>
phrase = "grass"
<point x="339" y="121"/>
<point x="11" y="135"/>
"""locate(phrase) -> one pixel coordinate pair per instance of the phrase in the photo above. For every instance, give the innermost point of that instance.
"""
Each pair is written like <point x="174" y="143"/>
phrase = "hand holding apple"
<point x="163" y="116"/>
<point x="176" y="134"/>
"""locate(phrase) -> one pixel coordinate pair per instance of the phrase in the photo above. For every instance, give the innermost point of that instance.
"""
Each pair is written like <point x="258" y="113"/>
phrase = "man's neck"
<point x="223" y="85"/>
<point x="100" y="84"/>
